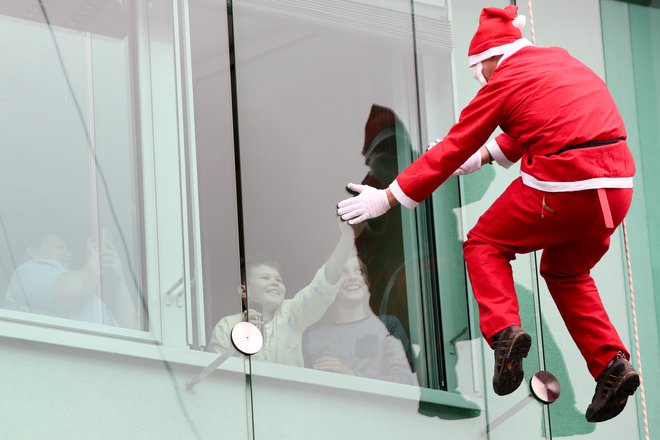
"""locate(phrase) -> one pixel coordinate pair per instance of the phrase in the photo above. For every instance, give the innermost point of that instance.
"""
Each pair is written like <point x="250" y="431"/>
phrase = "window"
<point x="71" y="146"/>
<point x="324" y="97"/>
<point x="95" y="137"/>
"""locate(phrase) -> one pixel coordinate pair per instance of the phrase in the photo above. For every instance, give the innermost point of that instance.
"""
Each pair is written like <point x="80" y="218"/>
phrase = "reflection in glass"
<point x="70" y="235"/>
<point x="306" y="83"/>
<point x="353" y="340"/>
<point x="381" y="245"/>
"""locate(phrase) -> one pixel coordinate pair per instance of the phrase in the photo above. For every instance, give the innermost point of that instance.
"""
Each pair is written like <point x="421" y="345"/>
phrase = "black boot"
<point x="511" y="345"/>
<point x="617" y="381"/>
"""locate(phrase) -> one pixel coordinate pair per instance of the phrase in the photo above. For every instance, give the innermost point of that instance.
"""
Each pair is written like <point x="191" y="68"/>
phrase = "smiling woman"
<point x="352" y="339"/>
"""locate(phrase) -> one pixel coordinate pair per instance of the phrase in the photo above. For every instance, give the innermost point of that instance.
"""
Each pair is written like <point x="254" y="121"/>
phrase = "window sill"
<point x="432" y="402"/>
<point x="23" y="322"/>
<point x="104" y="339"/>
<point x="143" y="345"/>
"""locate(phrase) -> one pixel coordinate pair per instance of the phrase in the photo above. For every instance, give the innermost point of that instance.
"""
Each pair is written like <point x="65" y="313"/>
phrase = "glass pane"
<point x="322" y="103"/>
<point x="72" y="241"/>
<point x="220" y="395"/>
<point x="214" y="147"/>
<point x="215" y="168"/>
<point x="326" y="95"/>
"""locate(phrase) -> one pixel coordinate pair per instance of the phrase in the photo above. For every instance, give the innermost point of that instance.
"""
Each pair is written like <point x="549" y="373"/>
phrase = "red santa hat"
<point x="382" y="123"/>
<point x="498" y="28"/>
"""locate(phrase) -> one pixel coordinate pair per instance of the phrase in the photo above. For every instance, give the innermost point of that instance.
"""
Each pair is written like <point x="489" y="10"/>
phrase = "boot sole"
<point x="510" y="376"/>
<point x="615" y="404"/>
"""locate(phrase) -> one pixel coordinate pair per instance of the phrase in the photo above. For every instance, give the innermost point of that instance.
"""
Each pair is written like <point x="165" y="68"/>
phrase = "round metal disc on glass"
<point x="247" y="338"/>
<point x="545" y="387"/>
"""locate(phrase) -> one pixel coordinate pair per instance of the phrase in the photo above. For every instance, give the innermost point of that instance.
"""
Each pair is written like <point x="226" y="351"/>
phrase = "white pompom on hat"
<point x="497" y="29"/>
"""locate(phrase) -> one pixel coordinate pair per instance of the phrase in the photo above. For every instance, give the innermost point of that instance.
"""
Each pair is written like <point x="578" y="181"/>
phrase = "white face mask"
<point x="478" y="75"/>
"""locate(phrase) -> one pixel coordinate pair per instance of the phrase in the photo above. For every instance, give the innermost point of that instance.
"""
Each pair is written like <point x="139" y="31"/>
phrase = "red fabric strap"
<point x="605" y="206"/>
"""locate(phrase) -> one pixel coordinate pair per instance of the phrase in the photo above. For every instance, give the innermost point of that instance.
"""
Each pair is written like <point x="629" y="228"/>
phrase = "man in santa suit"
<point x="575" y="188"/>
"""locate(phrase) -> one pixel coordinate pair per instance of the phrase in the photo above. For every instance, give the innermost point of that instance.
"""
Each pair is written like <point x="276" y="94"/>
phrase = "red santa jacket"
<point x="548" y="104"/>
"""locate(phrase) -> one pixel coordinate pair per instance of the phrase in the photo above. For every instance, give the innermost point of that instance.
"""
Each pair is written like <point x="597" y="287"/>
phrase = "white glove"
<point x="433" y="144"/>
<point x="477" y="72"/>
<point x="369" y="203"/>
<point x="472" y="164"/>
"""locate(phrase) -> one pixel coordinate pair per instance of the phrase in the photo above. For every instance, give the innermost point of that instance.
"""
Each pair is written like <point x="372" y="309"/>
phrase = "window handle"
<point x="175" y="293"/>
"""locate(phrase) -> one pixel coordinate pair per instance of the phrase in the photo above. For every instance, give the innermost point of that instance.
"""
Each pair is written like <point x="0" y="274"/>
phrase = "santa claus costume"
<point x="575" y="188"/>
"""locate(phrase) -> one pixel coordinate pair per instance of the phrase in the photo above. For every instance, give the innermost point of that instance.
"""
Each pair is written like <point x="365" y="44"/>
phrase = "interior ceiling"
<point x="105" y="17"/>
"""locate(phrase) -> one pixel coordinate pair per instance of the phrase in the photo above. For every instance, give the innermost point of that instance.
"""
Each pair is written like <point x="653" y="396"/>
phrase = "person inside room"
<point x="283" y="320"/>
<point x="351" y="339"/>
<point x="47" y="284"/>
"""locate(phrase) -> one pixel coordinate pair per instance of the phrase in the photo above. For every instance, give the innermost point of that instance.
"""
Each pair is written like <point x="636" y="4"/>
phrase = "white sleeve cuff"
<point x="494" y="149"/>
<point x="401" y="197"/>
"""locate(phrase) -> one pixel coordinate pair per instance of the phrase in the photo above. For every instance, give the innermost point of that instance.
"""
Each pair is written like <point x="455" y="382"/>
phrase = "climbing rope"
<point x="638" y="354"/>
<point x="531" y="21"/>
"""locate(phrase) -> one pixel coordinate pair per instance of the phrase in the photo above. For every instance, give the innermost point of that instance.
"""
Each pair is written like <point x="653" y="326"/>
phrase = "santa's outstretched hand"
<point x="473" y="163"/>
<point x="368" y="203"/>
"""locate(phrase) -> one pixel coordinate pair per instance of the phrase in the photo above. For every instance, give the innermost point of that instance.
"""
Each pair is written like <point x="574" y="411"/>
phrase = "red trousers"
<point x="570" y="228"/>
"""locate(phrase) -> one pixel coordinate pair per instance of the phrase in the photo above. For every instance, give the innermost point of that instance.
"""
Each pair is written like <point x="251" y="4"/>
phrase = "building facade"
<point x="158" y="151"/>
